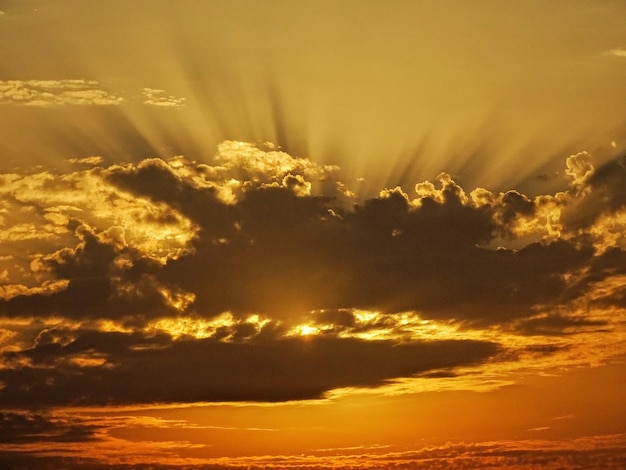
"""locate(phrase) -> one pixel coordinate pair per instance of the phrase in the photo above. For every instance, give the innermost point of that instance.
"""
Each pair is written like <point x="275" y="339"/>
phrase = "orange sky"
<point x="312" y="234"/>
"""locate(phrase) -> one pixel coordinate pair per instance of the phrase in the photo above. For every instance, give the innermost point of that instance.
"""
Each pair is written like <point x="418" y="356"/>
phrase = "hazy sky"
<point x="278" y="234"/>
<point x="490" y="91"/>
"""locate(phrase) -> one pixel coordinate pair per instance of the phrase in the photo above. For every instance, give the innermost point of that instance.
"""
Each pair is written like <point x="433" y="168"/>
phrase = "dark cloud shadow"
<point x="141" y="369"/>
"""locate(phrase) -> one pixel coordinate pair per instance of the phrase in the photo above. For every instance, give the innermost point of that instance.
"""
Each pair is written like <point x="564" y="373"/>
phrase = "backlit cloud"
<point x="156" y="97"/>
<point x="78" y="92"/>
<point x="132" y="368"/>
<point x="261" y="266"/>
<point x="55" y="93"/>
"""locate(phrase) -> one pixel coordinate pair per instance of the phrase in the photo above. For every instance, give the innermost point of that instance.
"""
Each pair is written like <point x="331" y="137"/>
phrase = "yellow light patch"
<point x="307" y="330"/>
<point x="194" y="327"/>
<point x="86" y="361"/>
<point x="178" y="299"/>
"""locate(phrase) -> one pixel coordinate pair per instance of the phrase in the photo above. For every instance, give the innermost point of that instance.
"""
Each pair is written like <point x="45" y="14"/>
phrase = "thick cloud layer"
<point x="276" y="243"/>
<point x="139" y="369"/>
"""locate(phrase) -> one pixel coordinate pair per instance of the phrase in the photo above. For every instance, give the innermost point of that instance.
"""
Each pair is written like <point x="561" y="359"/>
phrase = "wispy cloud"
<point x="46" y="93"/>
<point x="607" y="452"/>
<point x="618" y="52"/>
<point x="157" y="97"/>
<point x="78" y="92"/>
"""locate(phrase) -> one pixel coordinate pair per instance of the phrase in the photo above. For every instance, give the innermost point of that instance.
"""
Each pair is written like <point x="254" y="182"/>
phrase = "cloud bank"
<point x="259" y="276"/>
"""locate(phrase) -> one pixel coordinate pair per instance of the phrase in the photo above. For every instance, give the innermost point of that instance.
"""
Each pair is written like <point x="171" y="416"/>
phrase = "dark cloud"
<point x="558" y="325"/>
<point x="513" y="205"/>
<point x="340" y="318"/>
<point x="97" y="286"/>
<point x="604" y="191"/>
<point x="609" y="181"/>
<point x="23" y="427"/>
<point x="156" y="180"/>
<point x="268" y="248"/>
<point x="606" y="269"/>
<point x="141" y="369"/>
<point x="286" y="254"/>
<point x="274" y="251"/>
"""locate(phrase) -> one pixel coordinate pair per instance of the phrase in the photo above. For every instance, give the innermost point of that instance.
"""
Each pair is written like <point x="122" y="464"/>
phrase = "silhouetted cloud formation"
<point x="142" y="369"/>
<point x="251" y="238"/>
<point x="25" y="427"/>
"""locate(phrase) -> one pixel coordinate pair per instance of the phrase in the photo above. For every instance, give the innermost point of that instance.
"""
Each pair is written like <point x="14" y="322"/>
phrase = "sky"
<point x="312" y="234"/>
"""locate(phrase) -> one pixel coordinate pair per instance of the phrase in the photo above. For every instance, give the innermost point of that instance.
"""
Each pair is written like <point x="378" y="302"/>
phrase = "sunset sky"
<point x="312" y="234"/>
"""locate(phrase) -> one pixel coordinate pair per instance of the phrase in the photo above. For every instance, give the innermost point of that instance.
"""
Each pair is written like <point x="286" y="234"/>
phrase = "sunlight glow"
<point x="223" y="325"/>
<point x="109" y="326"/>
<point x="178" y="299"/>
<point x="307" y="330"/>
<point x="87" y="361"/>
<point x="364" y="316"/>
<point x="195" y="327"/>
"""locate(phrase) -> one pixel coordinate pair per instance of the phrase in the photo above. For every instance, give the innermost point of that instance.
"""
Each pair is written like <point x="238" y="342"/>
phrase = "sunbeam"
<point x="348" y="234"/>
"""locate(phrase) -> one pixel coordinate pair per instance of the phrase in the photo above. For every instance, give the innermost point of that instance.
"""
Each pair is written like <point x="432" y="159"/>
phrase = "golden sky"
<point x="298" y="234"/>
